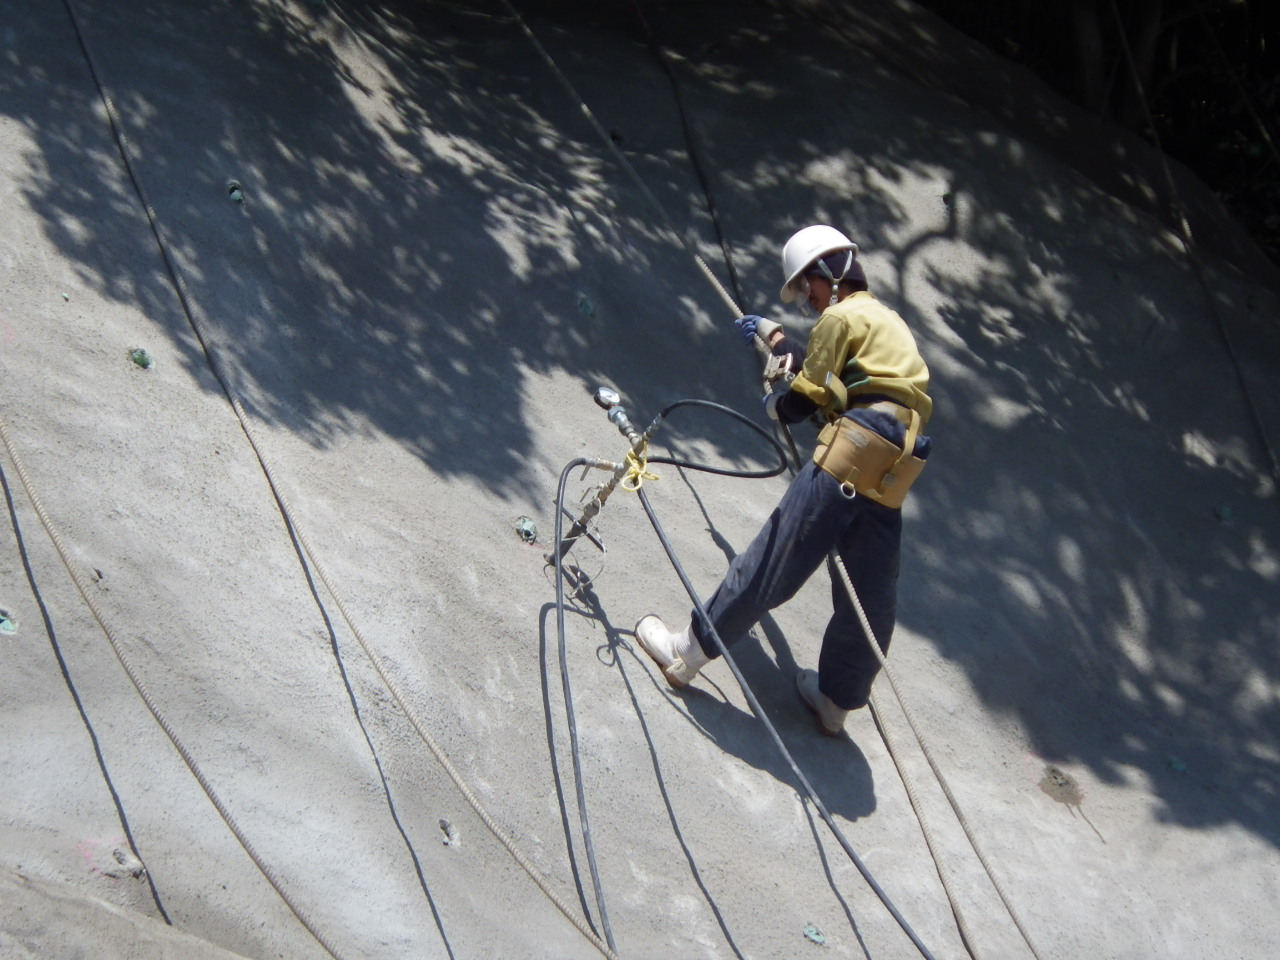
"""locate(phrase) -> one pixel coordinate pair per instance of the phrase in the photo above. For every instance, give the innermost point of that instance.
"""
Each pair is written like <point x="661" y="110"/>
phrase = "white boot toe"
<point x="678" y="654"/>
<point x="830" y="717"/>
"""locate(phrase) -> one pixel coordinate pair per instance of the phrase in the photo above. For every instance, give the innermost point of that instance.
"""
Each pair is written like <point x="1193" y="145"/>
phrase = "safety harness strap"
<point x="865" y="462"/>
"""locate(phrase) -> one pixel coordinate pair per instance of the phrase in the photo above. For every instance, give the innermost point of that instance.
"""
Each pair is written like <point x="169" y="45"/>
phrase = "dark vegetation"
<point x="1207" y="88"/>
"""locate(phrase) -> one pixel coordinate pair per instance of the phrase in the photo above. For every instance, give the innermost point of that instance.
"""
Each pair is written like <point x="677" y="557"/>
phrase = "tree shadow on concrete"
<point x="1097" y="541"/>
<point x="429" y="223"/>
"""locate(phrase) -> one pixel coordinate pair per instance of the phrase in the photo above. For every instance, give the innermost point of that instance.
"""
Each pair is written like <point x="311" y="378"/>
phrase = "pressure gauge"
<point x="607" y="398"/>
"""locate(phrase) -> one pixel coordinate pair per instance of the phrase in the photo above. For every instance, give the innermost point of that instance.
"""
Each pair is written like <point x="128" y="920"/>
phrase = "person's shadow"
<point x="835" y="766"/>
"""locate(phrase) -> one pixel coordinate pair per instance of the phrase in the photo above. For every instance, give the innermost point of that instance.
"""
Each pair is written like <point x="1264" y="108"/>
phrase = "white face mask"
<point x="800" y="287"/>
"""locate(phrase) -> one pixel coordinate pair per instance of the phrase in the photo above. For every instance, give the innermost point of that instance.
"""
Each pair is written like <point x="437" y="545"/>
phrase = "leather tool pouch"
<point x="862" y="460"/>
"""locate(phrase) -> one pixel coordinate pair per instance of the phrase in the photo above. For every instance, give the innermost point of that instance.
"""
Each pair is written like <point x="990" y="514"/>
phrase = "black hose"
<point x="720" y="471"/>
<point x="570" y="719"/>
<point x="752" y="701"/>
<point x="773" y="733"/>
<point x="558" y="561"/>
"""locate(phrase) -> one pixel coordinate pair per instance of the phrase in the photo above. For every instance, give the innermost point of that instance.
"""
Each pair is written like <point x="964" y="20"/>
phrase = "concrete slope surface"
<point x="302" y="306"/>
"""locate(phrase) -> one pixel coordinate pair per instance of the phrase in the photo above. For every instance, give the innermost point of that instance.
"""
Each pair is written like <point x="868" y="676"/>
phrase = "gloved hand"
<point x="752" y="324"/>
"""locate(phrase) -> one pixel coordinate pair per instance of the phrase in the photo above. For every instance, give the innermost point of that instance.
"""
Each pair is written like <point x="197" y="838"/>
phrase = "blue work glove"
<point x="752" y="324"/>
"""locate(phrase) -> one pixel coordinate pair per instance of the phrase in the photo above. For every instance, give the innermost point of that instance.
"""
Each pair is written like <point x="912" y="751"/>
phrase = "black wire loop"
<point x="806" y="786"/>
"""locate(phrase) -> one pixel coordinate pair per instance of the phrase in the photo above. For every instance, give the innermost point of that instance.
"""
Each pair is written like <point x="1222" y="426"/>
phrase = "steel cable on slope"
<point x="118" y="649"/>
<point x="836" y="564"/>
<point x="1243" y="91"/>
<point x="557" y="560"/>
<point x="878" y="715"/>
<point x="626" y="164"/>
<point x="908" y="783"/>
<point x="1189" y="244"/>
<point x="758" y="710"/>
<point x="695" y="159"/>
<point x="216" y="365"/>
<point x="953" y="900"/>
<point x="373" y="750"/>
<point x="965" y="933"/>
<point x="65" y="669"/>
<point x="752" y="701"/>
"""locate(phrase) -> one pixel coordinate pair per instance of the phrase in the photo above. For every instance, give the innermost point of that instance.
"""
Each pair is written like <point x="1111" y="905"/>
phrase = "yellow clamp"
<point x="637" y="469"/>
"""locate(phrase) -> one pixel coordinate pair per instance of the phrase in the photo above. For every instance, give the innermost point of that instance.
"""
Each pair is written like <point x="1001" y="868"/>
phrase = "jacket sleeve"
<point x="826" y="353"/>
<point x="793" y="407"/>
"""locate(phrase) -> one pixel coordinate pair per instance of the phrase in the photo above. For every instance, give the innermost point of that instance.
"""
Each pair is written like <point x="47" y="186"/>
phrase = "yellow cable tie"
<point x="637" y="469"/>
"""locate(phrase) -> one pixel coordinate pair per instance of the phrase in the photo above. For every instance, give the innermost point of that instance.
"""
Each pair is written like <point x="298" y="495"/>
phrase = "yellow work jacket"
<point x="870" y="349"/>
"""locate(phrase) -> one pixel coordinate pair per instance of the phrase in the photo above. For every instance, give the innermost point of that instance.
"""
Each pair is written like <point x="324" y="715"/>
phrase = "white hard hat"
<point x="806" y="246"/>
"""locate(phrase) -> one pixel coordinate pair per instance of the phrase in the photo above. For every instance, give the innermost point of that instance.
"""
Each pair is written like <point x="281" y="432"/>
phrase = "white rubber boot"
<point x="678" y="654"/>
<point x="830" y="717"/>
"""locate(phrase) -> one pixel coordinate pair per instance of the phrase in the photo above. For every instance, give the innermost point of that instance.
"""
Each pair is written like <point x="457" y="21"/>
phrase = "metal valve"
<point x="608" y="399"/>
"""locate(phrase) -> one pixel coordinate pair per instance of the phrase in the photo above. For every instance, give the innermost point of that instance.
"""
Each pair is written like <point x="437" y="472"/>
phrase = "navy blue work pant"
<point x="813" y="518"/>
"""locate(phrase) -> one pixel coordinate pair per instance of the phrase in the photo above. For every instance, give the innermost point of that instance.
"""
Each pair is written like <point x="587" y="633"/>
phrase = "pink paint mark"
<point x="86" y="850"/>
<point x="111" y="864"/>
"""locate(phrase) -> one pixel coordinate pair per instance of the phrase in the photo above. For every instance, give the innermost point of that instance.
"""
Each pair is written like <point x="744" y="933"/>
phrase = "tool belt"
<point x="863" y="461"/>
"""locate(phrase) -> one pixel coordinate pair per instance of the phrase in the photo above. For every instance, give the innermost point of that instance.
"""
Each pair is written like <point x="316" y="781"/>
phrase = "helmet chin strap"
<point x="835" y="281"/>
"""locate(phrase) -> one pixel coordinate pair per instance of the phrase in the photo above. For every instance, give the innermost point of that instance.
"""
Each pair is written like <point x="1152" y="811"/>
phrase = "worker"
<point x="863" y="374"/>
